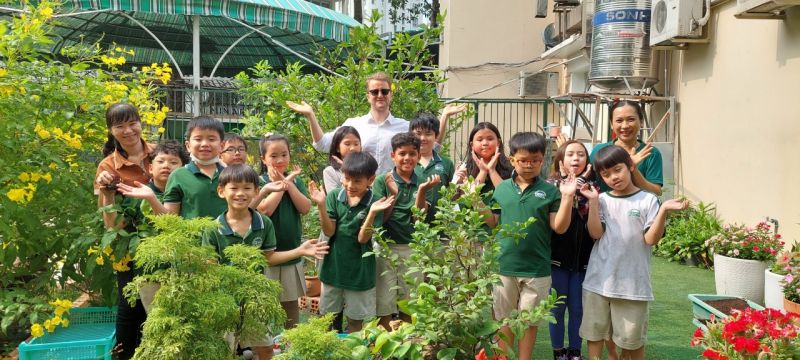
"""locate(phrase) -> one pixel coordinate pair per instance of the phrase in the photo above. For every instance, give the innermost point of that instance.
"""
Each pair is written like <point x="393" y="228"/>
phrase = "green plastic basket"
<point x="91" y="335"/>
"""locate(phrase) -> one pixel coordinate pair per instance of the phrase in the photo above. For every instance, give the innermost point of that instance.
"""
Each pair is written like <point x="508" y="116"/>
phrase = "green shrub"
<point x="687" y="232"/>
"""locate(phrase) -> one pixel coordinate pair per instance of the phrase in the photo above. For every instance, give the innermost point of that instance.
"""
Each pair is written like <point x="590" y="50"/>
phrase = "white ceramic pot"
<point x="773" y="290"/>
<point x="738" y="277"/>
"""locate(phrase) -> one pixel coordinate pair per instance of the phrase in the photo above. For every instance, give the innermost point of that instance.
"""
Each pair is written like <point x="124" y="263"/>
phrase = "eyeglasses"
<point x="384" y="92"/>
<point x="235" y="150"/>
<point x="526" y="162"/>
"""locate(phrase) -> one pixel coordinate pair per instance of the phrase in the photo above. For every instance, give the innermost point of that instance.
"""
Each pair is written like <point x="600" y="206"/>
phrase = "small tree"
<point x="200" y="300"/>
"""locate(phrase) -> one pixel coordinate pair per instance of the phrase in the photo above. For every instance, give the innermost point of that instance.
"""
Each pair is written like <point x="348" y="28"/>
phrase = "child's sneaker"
<point x="574" y="354"/>
<point x="560" y="354"/>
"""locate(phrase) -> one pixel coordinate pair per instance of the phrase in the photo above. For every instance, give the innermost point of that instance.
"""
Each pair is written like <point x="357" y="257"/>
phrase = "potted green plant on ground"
<point x="200" y="300"/>
<point x="741" y="254"/>
<point x="686" y="234"/>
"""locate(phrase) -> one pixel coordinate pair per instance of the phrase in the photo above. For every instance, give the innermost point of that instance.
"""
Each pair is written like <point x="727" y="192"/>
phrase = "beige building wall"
<point x="739" y="105"/>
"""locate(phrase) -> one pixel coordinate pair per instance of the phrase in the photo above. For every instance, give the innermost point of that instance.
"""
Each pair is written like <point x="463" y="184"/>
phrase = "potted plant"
<point x="774" y="277"/>
<point x="791" y="290"/>
<point x="751" y="334"/>
<point x="686" y="235"/>
<point x="313" y="284"/>
<point x="741" y="255"/>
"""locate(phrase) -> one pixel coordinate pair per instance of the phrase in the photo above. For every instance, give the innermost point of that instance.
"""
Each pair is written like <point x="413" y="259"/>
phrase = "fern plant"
<point x="200" y="300"/>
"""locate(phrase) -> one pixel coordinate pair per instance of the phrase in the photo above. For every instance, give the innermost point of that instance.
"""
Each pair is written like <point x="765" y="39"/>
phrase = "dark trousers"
<point x="129" y="319"/>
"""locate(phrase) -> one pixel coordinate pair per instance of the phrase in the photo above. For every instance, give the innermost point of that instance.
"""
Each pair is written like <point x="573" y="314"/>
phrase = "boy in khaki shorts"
<point x="525" y="263"/>
<point x="617" y="290"/>
<point x="347" y="216"/>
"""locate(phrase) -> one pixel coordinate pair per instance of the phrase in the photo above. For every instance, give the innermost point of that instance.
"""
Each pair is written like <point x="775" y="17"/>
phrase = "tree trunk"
<point x="358" y="12"/>
<point x="434" y="12"/>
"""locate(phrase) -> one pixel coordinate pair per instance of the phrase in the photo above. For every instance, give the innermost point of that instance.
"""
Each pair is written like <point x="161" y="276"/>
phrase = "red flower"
<point x="756" y="248"/>
<point x="481" y="355"/>
<point x="749" y="346"/>
<point x="712" y="354"/>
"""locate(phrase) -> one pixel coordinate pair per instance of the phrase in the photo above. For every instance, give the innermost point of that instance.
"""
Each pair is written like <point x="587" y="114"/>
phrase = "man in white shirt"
<point x="376" y="128"/>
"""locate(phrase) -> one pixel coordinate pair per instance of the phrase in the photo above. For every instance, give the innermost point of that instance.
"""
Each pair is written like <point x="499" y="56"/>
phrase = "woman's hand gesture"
<point x="302" y="108"/>
<point x="640" y="155"/>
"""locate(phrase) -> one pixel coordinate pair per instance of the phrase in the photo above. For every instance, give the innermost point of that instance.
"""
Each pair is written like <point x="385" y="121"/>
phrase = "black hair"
<point x="621" y="103"/>
<point x="205" y="122"/>
<point x="262" y="145"/>
<point x="404" y="139"/>
<point x="117" y="114"/>
<point x="338" y="137"/>
<point x="359" y="165"/>
<point x="503" y="167"/>
<point x="610" y="156"/>
<point x="230" y="137"/>
<point x="424" y="121"/>
<point x="171" y="147"/>
<point x="238" y="173"/>
<point x="529" y="141"/>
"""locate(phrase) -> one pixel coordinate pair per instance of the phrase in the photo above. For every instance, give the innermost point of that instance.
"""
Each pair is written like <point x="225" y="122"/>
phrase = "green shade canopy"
<point x="239" y="32"/>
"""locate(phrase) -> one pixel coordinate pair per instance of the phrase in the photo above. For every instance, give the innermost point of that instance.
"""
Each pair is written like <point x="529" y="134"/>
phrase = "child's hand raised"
<point x="303" y="108"/>
<point x="275" y="186"/>
<point x="589" y="192"/>
<point x="461" y="174"/>
<point x="315" y="193"/>
<point x="431" y="182"/>
<point x="382" y="204"/>
<point x="138" y="191"/>
<point x="568" y="186"/>
<point x="296" y="170"/>
<point x="675" y="204"/>
<point x="274" y="175"/>
<point x="453" y="108"/>
<point x="390" y="184"/>
<point x="314" y="248"/>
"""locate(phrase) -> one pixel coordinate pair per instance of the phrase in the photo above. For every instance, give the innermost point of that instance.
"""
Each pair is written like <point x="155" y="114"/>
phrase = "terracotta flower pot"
<point x="313" y="286"/>
<point x="791" y="306"/>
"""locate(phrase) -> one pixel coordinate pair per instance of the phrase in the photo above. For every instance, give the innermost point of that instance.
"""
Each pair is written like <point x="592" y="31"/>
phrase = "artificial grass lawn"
<point x="670" y="326"/>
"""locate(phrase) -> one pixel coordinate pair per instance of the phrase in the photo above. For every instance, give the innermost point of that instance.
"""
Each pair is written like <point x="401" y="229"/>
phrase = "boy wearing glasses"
<point x="525" y="263"/>
<point x="234" y="150"/>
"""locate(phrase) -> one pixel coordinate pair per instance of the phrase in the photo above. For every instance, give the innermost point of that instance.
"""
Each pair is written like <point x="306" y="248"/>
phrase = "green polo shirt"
<point x="286" y="219"/>
<point x="261" y="235"/>
<point x="530" y="257"/>
<point x="195" y="191"/>
<point x="345" y="266"/>
<point x="439" y="165"/>
<point x="399" y="226"/>
<point x="651" y="167"/>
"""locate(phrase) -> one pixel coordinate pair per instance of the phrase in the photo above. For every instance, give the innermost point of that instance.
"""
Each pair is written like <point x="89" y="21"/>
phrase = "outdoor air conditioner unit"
<point x="538" y="84"/>
<point x="673" y="20"/>
<point x="763" y="9"/>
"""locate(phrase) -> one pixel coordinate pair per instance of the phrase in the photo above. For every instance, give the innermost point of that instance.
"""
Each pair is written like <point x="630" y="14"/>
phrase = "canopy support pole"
<point x="196" y="64"/>
<point x="222" y="57"/>
<point x="174" y="63"/>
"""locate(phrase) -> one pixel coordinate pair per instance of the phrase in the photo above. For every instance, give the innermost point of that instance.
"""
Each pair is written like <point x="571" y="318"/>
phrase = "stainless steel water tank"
<point x="621" y="45"/>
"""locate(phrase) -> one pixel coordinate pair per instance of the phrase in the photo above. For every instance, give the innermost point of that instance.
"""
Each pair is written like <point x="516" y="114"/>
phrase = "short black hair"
<point x="359" y="164"/>
<point x="424" y="121"/>
<point x="171" y="147"/>
<point x="229" y="137"/>
<point x="529" y="141"/>
<point x="610" y="156"/>
<point x="238" y="173"/>
<point x="265" y="141"/>
<point x="404" y="139"/>
<point x="205" y="122"/>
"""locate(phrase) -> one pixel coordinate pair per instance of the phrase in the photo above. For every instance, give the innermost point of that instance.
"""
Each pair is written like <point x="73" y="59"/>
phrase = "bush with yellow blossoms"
<point x="60" y="317"/>
<point x="52" y="128"/>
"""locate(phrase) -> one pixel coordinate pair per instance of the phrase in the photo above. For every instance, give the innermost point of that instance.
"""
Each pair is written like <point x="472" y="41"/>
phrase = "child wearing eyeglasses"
<point x="234" y="150"/>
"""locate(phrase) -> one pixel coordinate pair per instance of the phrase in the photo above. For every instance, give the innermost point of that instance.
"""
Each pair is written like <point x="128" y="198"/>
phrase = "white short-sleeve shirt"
<point x="619" y="266"/>
<point x="376" y="139"/>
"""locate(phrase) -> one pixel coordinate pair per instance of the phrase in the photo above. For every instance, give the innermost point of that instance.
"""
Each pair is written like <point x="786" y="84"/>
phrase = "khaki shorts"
<point x="519" y="293"/>
<point x="292" y="279"/>
<point x="621" y="320"/>
<point x="390" y="285"/>
<point x="360" y="304"/>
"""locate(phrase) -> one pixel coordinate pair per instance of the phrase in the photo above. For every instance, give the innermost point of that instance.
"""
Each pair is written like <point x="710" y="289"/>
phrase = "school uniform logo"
<point x="257" y="242"/>
<point x="361" y="215"/>
<point x="634" y="213"/>
<point x="540" y="194"/>
<point x="438" y="167"/>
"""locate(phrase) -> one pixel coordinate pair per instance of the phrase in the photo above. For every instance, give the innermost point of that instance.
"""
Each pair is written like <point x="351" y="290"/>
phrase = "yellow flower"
<point x="41" y="131"/>
<point x="49" y="326"/>
<point x="107" y="99"/>
<point x="24" y="177"/>
<point x="46" y="12"/>
<point x="3" y="72"/>
<point x="84" y="107"/>
<point x="121" y="60"/>
<point x="131" y="52"/>
<point x="146" y="69"/>
<point x="164" y="109"/>
<point x="47" y="177"/>
<point x="91" y="250"/>
<point x="59" y="311"/>
<point x="35" y="98"/>
<point x="35" y="176"/>
<point x="37" y="330"/>
<point x="161" y="130"/>
<point x="108" y="250"/>
<point x="56" y="320"/>
<point x="99" y="260"/>
<point x="58" y="132"/>
<point x="118" y="49"/>
<point x="65" y="322"/>
<point x="17" y="195"/>
<point x="393" y="87"/>
<point x="53" y="166"/>
<point x="153" y="65"/>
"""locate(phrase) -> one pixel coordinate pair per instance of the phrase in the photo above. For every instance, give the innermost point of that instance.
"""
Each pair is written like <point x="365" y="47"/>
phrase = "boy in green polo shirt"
<point x="525" y="263"/>
<point x="425" y="127"/>
<point x="238" y="185"/>
<point x="192" y="190"/>
<point x="347" y="215"/>
<point x="402" y="183"/>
